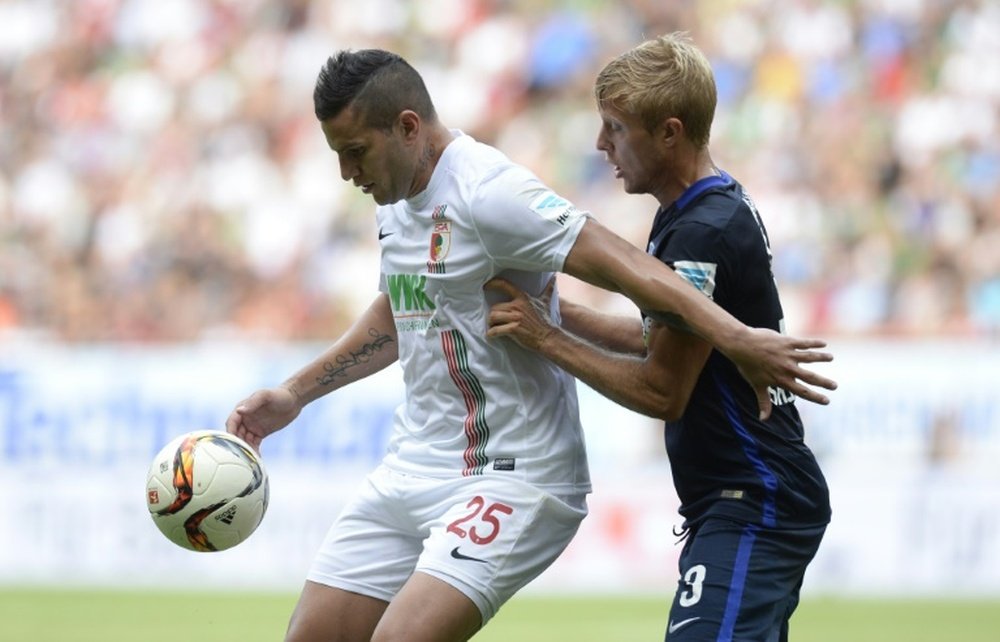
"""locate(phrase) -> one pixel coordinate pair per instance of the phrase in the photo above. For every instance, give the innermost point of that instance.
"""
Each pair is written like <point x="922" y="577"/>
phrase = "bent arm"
<point x="764" y="357"/>
<point x="657" y="382"/>
<point x="367" y="347"/>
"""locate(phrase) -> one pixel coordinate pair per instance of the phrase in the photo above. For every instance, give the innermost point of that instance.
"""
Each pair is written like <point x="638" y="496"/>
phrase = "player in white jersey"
<point x="486" y="478"/>
<point x="479" y="215"/>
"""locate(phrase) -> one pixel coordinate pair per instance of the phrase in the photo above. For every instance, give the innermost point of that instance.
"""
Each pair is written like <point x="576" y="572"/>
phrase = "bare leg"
<point x="428" y="610"/>
<point x="327" y="614"/>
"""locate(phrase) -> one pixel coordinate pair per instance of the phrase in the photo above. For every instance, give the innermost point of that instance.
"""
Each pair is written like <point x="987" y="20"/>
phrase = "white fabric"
<point x="478" y="406"/>
<point x="485" y="536"/>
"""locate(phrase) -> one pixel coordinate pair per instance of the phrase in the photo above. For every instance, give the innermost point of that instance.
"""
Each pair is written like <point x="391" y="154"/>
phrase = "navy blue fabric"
<point x="739" y="582"/>
<point x="725" y="461"/>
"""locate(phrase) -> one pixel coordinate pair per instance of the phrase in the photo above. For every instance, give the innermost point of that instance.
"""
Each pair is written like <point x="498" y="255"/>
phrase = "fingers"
<point x="802" y="384"/>
<point x="795" y="387"/>
<point x="811" y="356"/>
<point x="814" y="379"/>
<point x="236" y="422"/>
<point x="235" y="426"/>
<point x="550" y="287"/>
<point x="799" y="384"/>
<point x="235" y="419"/>
<point x="254" y="441"/>
<point x="806" y="353"/>
<point x="502" y="314"/>
<point x="504" y="319"/>
<point x="500" y="329"/>
<point x="233" y="422"/>
<point x="807" y="393"/>
<point x="501" y="284"/>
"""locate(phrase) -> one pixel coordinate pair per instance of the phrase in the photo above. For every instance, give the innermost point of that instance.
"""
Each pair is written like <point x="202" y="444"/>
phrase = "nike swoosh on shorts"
<point x="673" y="626"/>
<point x="460" y="556"/>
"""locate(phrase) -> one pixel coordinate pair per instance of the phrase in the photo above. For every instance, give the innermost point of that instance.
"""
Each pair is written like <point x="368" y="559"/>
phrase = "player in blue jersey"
<point x="754" y="500"/>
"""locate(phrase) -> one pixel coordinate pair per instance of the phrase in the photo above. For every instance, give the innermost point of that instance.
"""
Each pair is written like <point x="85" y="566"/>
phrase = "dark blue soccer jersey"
<point x="725" y="461"/>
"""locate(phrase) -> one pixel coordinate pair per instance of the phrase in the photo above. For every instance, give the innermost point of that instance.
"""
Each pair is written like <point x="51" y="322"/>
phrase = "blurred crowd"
<point x="163" y="178"/>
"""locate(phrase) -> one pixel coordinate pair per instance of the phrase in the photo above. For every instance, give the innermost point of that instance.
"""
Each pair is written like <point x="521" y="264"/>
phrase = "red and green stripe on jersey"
<point x="477" y="431"/>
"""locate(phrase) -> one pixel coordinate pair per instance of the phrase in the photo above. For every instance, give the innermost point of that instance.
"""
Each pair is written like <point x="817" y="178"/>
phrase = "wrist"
<point x="549" y="343"/>
<point x="294" y="390"/>
<point x="734" y="341"/>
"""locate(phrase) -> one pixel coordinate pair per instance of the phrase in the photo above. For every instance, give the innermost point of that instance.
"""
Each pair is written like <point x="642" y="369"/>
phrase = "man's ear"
<point x="409" y="123"/>
<point x="670" y="131"/>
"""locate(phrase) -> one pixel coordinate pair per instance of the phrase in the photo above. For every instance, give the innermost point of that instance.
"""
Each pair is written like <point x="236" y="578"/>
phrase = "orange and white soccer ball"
<point x="207" y="490"/>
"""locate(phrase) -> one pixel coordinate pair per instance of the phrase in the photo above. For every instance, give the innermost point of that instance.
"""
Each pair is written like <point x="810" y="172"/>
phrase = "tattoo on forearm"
<point x="343" y="362"/>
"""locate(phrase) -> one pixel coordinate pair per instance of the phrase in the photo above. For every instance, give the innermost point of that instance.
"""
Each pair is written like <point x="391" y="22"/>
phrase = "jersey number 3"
<point x="693" y="579"/>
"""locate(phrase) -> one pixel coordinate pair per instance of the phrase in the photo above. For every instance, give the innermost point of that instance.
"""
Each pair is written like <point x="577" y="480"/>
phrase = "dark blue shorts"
<point x="739" y="582"/>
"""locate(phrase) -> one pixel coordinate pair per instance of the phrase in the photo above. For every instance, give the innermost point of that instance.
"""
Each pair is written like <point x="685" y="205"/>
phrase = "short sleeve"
<point x="523" y="224"/>
<point x="700" y="254"/>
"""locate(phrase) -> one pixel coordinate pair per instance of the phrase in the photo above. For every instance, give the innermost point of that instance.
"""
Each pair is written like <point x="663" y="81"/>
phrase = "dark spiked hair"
<point x="379" y="84"/>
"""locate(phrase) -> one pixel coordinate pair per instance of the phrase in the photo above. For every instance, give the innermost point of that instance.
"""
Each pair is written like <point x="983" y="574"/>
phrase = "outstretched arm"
<point x="367" y="347"/>
<point x="764" y="357"/>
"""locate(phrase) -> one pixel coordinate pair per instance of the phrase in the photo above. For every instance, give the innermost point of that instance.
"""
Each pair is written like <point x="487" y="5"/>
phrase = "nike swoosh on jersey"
<point x="382" y="235"/>
<point x="460" y="556"/>
<point x="673" y="626"/>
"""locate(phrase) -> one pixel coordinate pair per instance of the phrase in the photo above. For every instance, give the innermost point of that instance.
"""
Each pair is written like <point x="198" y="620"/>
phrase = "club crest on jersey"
<point x="440" y="241"/>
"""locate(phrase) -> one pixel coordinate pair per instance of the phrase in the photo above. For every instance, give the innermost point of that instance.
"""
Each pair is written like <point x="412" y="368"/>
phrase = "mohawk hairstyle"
<point x="379" y="84"/>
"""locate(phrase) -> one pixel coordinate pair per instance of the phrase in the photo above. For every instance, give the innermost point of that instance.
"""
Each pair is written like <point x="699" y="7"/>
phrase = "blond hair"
<point x="665" y="77"/>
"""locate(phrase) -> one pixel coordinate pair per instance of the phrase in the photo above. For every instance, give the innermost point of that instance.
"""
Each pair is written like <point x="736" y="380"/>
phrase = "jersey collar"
<point x="701" y="186"/>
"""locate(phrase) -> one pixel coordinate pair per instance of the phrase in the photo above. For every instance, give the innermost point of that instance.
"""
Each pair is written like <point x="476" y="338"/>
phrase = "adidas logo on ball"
<point x="227" y="516"/>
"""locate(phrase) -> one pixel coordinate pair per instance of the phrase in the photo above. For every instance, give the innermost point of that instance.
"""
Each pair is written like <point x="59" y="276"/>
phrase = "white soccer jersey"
<point x="478" y="406"/>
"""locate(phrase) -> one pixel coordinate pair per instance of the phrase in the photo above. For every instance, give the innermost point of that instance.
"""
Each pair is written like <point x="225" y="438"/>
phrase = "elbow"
<point x="672" y="413"/>
<point x="666" y="406"/>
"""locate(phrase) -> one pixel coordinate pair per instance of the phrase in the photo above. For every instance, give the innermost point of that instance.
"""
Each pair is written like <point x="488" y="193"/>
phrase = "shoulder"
<point x="473" y="162"/>
<point x="716" y="227"/>
<point x="499" y="193"/>
<point x="722" y="214"/>
<point x="714" y="208"/>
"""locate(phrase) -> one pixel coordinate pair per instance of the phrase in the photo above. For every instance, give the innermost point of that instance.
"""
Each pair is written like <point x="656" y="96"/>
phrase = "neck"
<point x="430" y="153"/>
<point x="698" y="167"/>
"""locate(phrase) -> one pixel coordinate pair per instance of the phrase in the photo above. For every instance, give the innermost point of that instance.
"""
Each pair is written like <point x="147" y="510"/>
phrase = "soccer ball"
<point x="207" y="490"/>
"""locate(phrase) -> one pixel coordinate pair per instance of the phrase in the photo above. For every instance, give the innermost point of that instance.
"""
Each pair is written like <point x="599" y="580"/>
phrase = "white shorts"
<point x="485" y="536"/>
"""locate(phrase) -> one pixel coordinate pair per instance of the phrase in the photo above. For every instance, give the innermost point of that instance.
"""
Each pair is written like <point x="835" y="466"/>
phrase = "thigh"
<point x="739" y="582"/>
<point x="428" y="609"/>
<point x="373" y="546"/>
<point x="328" y="614"/>
<point x="491" y="537"/>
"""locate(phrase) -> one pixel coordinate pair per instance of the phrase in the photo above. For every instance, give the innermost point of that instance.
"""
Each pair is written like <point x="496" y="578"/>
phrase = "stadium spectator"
<point x="868" y="130"/>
